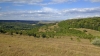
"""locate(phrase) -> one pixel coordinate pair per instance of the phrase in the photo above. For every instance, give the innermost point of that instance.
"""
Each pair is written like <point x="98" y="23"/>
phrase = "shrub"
<point x="84" y="30"/>
<point x="96" y="42"/>
<point x="20" y="33"/>
<point x="71" y="38"/>
<point x="44" y="35"/>
<point x="2" y="31"/>
<point x="16" y="32"/>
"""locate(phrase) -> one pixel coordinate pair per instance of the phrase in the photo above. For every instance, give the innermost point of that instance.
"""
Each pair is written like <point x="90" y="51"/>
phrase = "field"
<point x="19" y="45"/>
<point x="89" y="31"/>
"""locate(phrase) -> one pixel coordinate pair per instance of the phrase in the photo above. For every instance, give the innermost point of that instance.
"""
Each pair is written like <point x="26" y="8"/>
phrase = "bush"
<point x="84" y="30"/>
<point x="20" y="33"/>
<point x="71" y="38"/>
<point x="2" y="31"/>
<point x="44" y="35"/>
<point x="16" y="32"/>
<point x="96" y="42"/>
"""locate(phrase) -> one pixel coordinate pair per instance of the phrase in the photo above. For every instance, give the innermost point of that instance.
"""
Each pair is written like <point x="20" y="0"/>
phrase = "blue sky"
<point x="48" y="9"/>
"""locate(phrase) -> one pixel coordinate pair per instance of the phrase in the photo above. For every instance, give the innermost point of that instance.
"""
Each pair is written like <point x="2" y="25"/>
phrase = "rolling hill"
<point x="66" y="38"/>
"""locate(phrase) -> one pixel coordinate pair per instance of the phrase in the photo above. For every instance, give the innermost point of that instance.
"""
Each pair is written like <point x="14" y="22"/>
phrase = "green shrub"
<point x="71" y="38"/>
<point x="84" y="30"/>
<point x="44" y="35"/>
<point x="96" y="42"/>
<point x="16" y="32"/>
<point x="20" y="33"/>
<point x="2" y="31"/>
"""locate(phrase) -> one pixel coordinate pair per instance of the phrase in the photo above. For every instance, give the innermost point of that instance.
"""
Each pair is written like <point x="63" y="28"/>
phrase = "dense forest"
<point x="51" y="30"/>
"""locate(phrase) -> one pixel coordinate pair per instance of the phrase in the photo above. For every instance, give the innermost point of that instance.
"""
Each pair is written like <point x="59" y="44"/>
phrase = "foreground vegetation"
<point x="21" y="45"/>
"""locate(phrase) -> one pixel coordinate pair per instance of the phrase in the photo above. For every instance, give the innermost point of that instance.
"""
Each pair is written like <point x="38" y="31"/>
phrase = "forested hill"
<point x="89" y="23"/>
<point x="20" y="21"/>
<point x="51" y="30"/>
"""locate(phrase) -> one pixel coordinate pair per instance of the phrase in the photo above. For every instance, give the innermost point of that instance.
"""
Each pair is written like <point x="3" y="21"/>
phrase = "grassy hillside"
<point x="66" y="38"/>
<point x="89" y="31"/>
<point x="52" y="30"/>
<point x="19" y="45"/>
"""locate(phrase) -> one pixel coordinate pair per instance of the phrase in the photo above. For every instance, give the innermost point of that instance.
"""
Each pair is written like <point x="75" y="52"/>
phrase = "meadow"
<point x="21" y="45"/>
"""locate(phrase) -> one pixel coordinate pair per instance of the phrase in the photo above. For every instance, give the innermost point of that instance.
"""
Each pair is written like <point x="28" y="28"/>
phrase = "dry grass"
<point x="89" y="31"/>
<point x="30" y="46"/>
<point x="50" y="28"/>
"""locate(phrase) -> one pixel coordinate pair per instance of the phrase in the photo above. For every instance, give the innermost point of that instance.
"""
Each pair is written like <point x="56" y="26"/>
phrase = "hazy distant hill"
<point x="21" y="21"/>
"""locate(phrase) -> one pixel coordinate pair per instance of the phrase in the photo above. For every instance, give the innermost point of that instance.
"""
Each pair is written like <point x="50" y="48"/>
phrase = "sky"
<point x="48" y="9"/>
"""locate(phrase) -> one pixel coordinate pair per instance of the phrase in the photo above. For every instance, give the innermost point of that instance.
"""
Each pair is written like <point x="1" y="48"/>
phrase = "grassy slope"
<point x="89" y="31"/>
<point x="30" y="46"/>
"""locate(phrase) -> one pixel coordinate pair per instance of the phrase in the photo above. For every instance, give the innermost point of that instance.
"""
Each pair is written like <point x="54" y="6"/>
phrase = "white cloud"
<point x="22" y="1"/>
<point x="0" y="8"/>
<point x="62" y="1"/>
<point x="41" y="2"/>
<point x="0" y="14"/>
<point x="59" y="1"/>
<point x="47" y="9"/>
<point x="93" y="0"/>
<point x="83" y="10"/>
<point x="37" y="2"/>
<point x="47" y="13"/>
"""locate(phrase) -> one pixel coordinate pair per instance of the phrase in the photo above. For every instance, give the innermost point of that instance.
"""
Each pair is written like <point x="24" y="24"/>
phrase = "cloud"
<point x="47" y="13"/>
<point x="37" y="2"/>
<point x="83" y="10"/>
<point x="62" y="1"/>
<point x="22" y="1"/>
<point x="47" y="9"/>
<point x="93" y="0"/>
<point x="41" y="2"/>
<point x="0" y="8"/>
